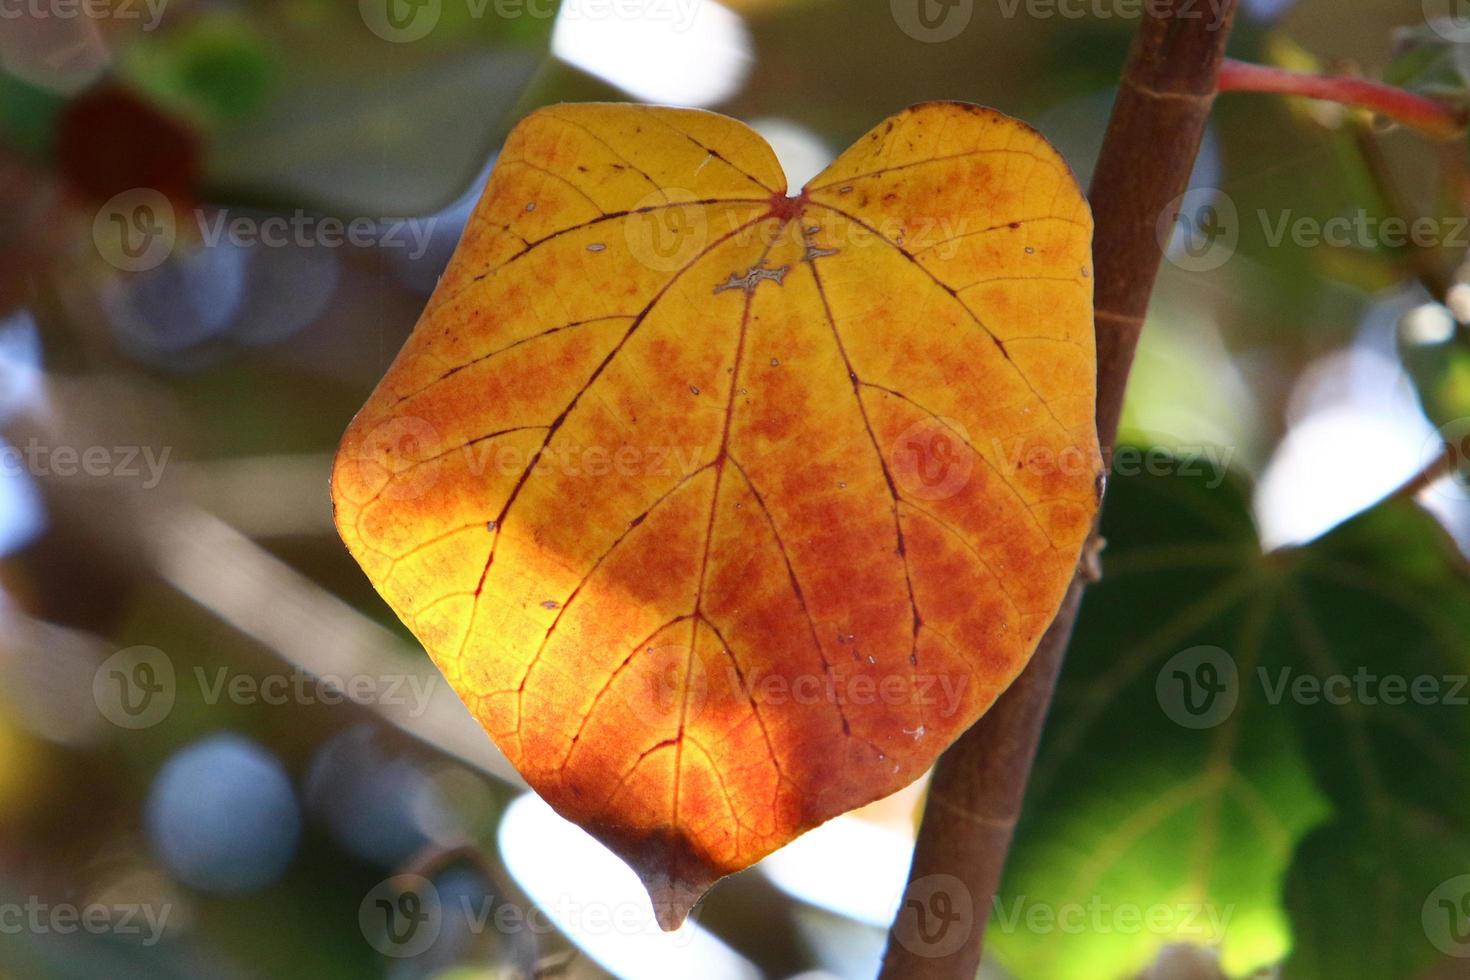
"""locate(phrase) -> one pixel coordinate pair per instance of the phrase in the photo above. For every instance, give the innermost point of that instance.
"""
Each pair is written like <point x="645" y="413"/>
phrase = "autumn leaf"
<point x="724" y="511"/>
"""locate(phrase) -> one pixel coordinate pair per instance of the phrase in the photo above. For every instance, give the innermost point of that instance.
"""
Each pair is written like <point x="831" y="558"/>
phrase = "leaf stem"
<point x="1429" y="116"/>
<point x="1436" y="469"/>
<point x="1423" y="262"/>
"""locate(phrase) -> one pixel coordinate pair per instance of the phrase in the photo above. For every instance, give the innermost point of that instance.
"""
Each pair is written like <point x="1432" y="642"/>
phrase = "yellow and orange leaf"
<point x="724" y="511"/>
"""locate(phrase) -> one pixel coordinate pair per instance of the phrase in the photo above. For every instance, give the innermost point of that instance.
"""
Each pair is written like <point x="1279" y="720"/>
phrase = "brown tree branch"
<point x="1164" y="101"/>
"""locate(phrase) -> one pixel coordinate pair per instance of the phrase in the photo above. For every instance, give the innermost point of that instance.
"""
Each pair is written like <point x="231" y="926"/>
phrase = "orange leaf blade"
<point x="726" y="512"/>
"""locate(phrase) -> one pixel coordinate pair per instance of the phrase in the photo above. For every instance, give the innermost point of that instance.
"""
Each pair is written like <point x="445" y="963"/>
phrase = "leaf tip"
<point x="673" y="900"/>
<point x="673" y="873"/>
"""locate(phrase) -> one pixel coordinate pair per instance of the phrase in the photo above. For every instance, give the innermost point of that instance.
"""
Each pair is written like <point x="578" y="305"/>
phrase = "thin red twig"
<point x="1429" y="116"/>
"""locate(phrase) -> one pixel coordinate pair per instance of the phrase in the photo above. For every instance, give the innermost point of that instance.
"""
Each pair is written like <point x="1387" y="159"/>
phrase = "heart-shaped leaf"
<point x="726" y="511"/>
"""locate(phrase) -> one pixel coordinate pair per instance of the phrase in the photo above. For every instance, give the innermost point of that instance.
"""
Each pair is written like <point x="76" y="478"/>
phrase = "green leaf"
<point x="1438" y="363"/>
<point x="27" y="115"/>
<point x="219" y="68"/>
<point x="1364" y="910"/>
<point x="331" y="111"/>
<point x="1202" y="765"/>
<point x="1433" y="60"/>
<point x="1383" y="600"/>
<point x="1439" y="367"/>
